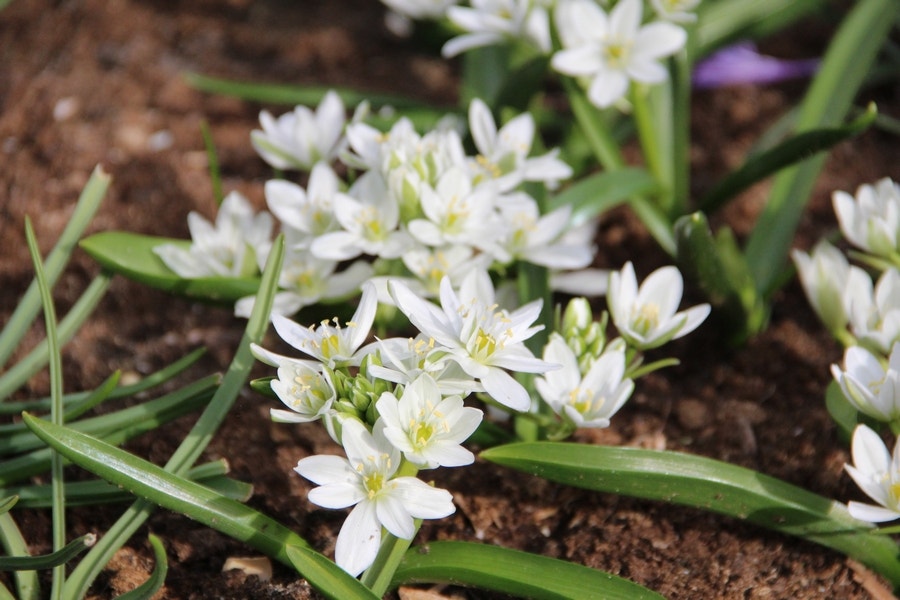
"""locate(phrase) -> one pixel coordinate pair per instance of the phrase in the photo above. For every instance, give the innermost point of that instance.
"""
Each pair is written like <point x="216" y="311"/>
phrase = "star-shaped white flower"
<point x="490" y="22"/>
<point x="300" y="385"/>
<point x="875" y="313"/>
<point x="540" y="239"/>
<point x="482" y="338"/>
<point x="309" y="211"/>
<point x="426" y="427"/>
<point x="330" y="343"/>
<point x="227" y="248"/>
<point x="614" y="49"/>
<point x="503" y="154"/>
<point x="868" y="385"/>
<point x="871" y="220"/>
<point x="300" y="139"/>
<point x="365" y="480"/>
<point x="646" y="317"/>
<point x="877" y="473"/>
<point x="591" y="400"/>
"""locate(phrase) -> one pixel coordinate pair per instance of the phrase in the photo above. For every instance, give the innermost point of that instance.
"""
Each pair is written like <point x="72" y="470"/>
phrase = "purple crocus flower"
<point x="741" y="63"/>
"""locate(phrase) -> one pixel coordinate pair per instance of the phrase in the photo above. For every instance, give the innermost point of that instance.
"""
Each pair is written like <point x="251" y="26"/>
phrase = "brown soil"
<point x="93" y="81"/>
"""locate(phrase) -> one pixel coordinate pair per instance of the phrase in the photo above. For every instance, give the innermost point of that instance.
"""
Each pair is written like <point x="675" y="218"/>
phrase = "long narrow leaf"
<point x="131" y="255"/>
<point x="799" y="147"/>
<point x="844" y="67"/>
<point x="729" y="20"/>
<point x="598" y="193"/>
<point x="15" y="377"/>
<point x="199" y="436"/>
<point x="706" y="484"/>
<point x="512" y="572"/>
<point x="48" y="561"/>
<point x="148" y="382"/>
<point x="27" y="309"/>
<point x="156" y="485"/>
<point x="157" y="578"/>
<point x="27" y="583"/>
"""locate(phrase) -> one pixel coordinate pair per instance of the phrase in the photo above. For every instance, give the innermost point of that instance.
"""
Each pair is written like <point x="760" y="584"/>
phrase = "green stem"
<point x="603" y="145"/>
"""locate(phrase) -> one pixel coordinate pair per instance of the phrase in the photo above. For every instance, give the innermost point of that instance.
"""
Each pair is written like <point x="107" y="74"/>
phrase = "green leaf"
<point x="131" y="255"/>
<point x="718" y="268"/>
<point x="48" y="561"/>
<point x="157" y="577"/>
<point x="155" y="484"/>
<point x="844" y="414"/>
<point x="729" y="20"/>
<point x="709" y="485"/>
<point x="848" y="59"/>
<point x="512" y="572"/>
<point x="792" y="151"/>
<point x="27" y="309"/>
<point x="598" y="193"/>
<point x="521" y="85"/>
<point x="27" y="582"/>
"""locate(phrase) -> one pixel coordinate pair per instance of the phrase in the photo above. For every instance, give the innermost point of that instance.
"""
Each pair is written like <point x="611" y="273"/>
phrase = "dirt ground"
<point x="84" y="82"/>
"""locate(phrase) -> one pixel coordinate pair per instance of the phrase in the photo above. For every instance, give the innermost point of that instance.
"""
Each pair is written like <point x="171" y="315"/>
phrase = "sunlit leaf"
<point x="512" y="572"/>
<point x="132" y="255"/>
<point x="709" y="485"/>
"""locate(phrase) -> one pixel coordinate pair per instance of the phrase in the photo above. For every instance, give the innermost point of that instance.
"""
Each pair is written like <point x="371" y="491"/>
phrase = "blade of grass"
<point x="212" y="159"/>
<point x="600" y="192"/>
<point x="709" y="485"/>
<point x="157" y="578"/>
<point x="57" y="482"/>
<point x="48" y="561"/>
<point x="161" y="487"/>
<point x="151" y="381"/>
<point x="27" y="309"/>
<point x="512" y="572"/>
<point x="847" y="60"/>
<point x="199" y="436"/>
<point x="27" y="583"/>
<point x="16" y="376"/>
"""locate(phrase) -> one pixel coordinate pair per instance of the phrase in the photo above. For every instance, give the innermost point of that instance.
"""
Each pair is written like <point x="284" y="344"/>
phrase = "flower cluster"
<point x="864" y="315"/>
<point x="419" y="207"/>
<point x="397" y="406"/>
<point x="606" y="49"/>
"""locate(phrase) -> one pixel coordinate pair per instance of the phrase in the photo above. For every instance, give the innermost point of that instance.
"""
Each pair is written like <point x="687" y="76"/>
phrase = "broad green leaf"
<point x="131" y="255"/>
<point x="598" y="193"/>
<point x="709" y="485"/>
<point x="48" y="561"/>
<point x="717" y="266"/>
<point x="28" y="307"/>
<point x="848" y="59"/>
<point x="797" y="148"/>
<point x="512" y="572"/>
<point x="155" y="484"/>
<point x="157" y="578"/>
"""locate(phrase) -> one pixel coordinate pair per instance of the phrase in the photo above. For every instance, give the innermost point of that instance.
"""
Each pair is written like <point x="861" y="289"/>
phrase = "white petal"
<point x="393" y="514"/>
<point x="359" y="539"/>
<point x="869" y="453"/>
<point x="421" y="500"/>
<point x="503" y="388"/>
<point x="323" y="469"/>
<point x="871" y="513"/>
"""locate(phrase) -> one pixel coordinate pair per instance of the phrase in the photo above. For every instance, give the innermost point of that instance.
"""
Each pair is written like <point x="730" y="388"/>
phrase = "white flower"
<point x="427" y="428"/>
<point x="503" y="154"/>
<point x="301" y="386"/>
<point x="490" y="22"/>
<point x="226" y="249"/>
<point x="366" y="479"/>
<point x="871" y="220"/>
<point x="677" y="11"/>
<point x="646" y="317"/>
<point x="868" y="386"/>
<point x="369" y="218"/>
<point x="483" y="339"/>
<point x="309" y="211"/>
<point x="875" y="315"/>
<point x="613" y="49"/>
<point x="540" y="239"/>
<point x="831" y="284"/>
<point x="455" y="213"/>
<point x="300" y="139"/>
<point x="330" y="343"/>
<point x="588" y="401"/>
<point x="431" y="265"/>
<point x="877" y="473"/>
<point x="404" y="360"/>
<point x="305" y="280"/>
